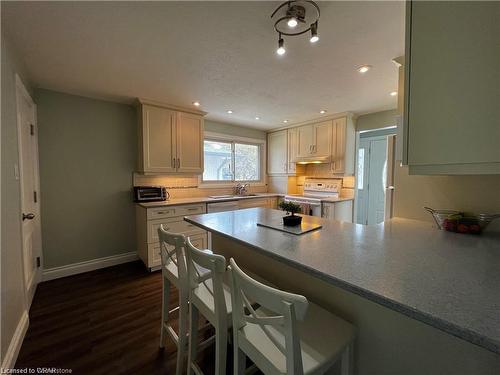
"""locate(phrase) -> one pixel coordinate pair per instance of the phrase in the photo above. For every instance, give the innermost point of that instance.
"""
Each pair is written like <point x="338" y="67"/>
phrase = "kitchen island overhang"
<point x="446" y="280"/>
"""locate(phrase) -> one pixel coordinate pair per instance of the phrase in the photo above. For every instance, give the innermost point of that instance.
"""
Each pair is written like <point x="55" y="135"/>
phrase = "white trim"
<point x="22" y="92"/>
<point x="10" y="358"/>
<point x="233" y="138"/>
<point x="314" y="120"/>
<point x="89" y="265"/>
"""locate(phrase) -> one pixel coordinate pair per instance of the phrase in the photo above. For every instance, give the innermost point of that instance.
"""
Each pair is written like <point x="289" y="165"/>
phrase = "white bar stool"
<point x="211" y="297"/>
<point x="174" y="271"/>
<point x="287" y="334"/>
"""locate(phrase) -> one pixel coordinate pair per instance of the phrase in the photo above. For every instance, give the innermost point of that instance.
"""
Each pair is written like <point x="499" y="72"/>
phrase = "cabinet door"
<point x="277" y="152"/>
<point x="452" y="82"/>
<point x="322" y="146"/>
<point x="189" y="131"/>
<point x="343" y="211"/>
<point x="199" y="241"/>
<point x="158" y="139"/>
<point x="339" y="143"/>
<point x="305" y="141"/>
<point x="292" y="150"/>
<point x="327" y="210"/>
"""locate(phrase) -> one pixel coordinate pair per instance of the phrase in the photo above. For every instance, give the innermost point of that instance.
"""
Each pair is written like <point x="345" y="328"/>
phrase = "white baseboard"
<point x="15" y="343"/>
<point x="89" y="265"/>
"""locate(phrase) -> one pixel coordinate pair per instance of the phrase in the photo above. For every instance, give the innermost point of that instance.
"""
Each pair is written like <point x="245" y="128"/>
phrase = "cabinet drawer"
<point x="175" y="225"/>
<point x="172" y="211"/>
<point x="249" y="203"/>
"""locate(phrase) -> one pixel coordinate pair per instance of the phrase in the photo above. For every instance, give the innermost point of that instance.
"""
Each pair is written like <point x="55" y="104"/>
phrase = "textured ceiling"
<point x="220" y="53"/>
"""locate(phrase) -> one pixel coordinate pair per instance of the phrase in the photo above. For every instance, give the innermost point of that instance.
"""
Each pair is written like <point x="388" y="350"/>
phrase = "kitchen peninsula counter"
<point x="446" y="280"/>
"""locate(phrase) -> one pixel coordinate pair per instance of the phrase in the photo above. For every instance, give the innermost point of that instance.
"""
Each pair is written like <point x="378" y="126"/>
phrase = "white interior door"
<point x="372" y="175"/>
<point x="30" y="197"/>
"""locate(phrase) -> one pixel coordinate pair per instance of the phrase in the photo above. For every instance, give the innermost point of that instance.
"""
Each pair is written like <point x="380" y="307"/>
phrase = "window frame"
<point x="218" y="137"/>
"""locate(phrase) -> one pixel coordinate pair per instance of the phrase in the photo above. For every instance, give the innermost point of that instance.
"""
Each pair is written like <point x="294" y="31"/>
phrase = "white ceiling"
<point x="220" y="53"/>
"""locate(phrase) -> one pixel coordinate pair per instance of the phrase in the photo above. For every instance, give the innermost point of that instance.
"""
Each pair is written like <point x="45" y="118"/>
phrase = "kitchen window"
<point x="232" y="160"/>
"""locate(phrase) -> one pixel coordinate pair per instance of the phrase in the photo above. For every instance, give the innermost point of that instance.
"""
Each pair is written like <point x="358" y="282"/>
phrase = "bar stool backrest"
<point x="172" y="247"/>
<point x="203" y="266"/>
<point x="284" y="308"/>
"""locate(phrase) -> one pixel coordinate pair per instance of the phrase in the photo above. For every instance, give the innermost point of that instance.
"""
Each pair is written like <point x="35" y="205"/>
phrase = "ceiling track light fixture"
<point x="296" y="17"/>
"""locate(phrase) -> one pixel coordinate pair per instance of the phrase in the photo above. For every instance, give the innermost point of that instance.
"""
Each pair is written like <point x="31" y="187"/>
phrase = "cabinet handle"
<point x="173" y="162"/>
<point x="162" y="212"/>
<point x="192" y="209"/>
<point x="178" y="163"/>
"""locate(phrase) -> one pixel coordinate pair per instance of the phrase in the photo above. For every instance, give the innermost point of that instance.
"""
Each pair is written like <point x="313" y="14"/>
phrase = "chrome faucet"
<point x="241" y="189"/>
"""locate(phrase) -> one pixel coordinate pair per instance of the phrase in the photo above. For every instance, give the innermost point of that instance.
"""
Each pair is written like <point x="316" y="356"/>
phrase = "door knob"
<point x="390" y="187"/>
<point x="29" y="216"/>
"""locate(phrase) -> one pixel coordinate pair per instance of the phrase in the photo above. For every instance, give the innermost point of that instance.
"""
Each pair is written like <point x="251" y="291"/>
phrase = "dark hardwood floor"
<point x="101" y="322"/>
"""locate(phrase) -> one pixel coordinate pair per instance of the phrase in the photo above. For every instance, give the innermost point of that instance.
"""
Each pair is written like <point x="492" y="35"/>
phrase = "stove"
<point x="315" y="190"/>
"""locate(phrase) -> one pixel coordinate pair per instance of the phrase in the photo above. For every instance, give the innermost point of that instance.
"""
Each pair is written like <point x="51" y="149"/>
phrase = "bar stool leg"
<point x="193" y="337"/>
<point x="220" y="350"/>
<point x="239" y="365"/>
<point x="346" y="366"/>
<point x="164" y="311"/>
<point x="182" y="344"/>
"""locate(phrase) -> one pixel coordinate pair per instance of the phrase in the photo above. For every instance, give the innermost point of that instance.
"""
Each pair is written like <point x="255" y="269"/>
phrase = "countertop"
<point x="177" y="201"/>
<point x="448" y="280"/>
<point x="173" y="202"/>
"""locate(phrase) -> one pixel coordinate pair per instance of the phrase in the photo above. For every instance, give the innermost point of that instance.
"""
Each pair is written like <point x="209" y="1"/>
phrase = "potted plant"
<point x="291" y="209"/>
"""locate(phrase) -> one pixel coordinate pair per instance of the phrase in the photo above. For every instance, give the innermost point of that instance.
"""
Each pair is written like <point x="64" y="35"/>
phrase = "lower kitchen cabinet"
<point x="341" y="210"/>
<point x="258" y="202"/>
<point x="148" y="220"/>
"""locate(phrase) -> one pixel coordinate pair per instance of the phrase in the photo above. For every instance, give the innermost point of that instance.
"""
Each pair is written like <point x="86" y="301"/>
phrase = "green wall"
<point x="87" y="155"/>
<point x="240" y="131"/>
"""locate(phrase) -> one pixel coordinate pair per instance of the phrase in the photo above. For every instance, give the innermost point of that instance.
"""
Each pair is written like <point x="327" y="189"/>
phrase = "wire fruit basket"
<point x="458" y="221"/>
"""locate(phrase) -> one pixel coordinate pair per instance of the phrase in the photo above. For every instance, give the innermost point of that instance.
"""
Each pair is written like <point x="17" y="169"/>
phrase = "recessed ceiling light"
<point x="322" y="111"/>
<point x="197" y="104"/>
<point x="364" y="68"/>
<point x="393" y="93"/>
<point x="229" y="111"/>
<point x="257" y="117"/>
<point x="285" y="121"/>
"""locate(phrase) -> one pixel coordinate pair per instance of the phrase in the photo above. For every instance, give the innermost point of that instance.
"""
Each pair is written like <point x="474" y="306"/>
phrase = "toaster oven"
<point x="150" y="193"/>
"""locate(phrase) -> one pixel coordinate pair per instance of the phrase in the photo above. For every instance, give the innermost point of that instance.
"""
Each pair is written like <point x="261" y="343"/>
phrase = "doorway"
<point x="375" y="168"/>
<point x="27" y="133"/>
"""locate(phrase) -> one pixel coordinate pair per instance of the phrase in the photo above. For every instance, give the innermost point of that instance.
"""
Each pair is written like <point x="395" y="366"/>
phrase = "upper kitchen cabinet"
<point x="189" y="143"/>
<point x="277" y="155"/>
<point x="452" y="116"/>
<point x="170" y="139"/>
<point x="344" y="139"/>
<point x="314" y="142"/>
<point x="282" y="152"/>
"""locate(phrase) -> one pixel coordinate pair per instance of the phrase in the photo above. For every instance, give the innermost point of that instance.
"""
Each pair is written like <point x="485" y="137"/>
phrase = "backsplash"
<point x="186" y="186"/>
<point x="295" y="184"/>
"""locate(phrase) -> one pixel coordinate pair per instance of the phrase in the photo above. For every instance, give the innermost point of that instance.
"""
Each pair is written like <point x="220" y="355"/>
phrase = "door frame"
<point x="23" y="94"/>
<point x="388" y="131"/>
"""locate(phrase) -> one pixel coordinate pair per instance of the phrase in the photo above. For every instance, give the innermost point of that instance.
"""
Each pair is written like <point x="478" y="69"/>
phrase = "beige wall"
<point x="12" y="288"/>
<point x="474" y="194"/>
<point x="376" y="120"/>
<point x="240" y="131"/>
<point x="87" y="154"/>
